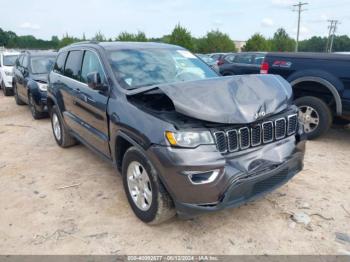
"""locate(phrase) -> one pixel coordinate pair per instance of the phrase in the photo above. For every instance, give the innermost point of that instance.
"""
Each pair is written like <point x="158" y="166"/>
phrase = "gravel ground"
<point x="69" y="201"/>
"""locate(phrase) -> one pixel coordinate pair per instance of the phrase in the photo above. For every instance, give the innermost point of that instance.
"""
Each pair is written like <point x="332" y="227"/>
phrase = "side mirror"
<point x="94" y="81"/>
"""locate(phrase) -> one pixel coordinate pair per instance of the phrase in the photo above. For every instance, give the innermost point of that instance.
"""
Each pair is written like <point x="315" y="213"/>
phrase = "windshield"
<point x="146" y="67"/>
<point x="9" y="60"/>
<point x="41" y="64"/>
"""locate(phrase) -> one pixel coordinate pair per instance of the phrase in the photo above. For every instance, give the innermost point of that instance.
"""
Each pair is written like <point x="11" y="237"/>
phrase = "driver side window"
<point x="91" y="63"/>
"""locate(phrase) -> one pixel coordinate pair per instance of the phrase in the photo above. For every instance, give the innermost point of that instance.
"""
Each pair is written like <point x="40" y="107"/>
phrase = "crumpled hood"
<point x="233" y="100"/>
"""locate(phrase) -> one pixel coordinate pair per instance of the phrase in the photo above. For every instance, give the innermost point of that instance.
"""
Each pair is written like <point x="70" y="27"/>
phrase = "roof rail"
<point x="85" y="42"/>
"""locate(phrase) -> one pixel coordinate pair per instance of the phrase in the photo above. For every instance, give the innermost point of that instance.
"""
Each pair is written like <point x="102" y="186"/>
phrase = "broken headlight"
<point x="189" y="139"/>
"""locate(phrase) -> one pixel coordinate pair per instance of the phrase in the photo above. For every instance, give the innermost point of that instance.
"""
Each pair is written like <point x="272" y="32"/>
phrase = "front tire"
<point x="147" y="196"/>
<point x="60" y="132"/>
<point x="315" y="114"/>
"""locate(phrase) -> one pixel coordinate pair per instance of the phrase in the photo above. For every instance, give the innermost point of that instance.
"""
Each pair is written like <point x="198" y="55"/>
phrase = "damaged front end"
<point x="257" y="143"/>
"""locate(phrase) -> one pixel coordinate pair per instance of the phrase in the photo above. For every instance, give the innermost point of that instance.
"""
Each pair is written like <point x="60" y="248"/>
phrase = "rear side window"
<point x="73" y="65"/>
<point x="91" y="63"/>
<point x="244" y="59"/>
<point x="59" y="64"/>
<point x="230" y="58"/>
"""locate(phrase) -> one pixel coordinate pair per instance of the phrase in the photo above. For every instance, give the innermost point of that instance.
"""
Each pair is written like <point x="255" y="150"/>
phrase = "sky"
<point x="238" y="18"/>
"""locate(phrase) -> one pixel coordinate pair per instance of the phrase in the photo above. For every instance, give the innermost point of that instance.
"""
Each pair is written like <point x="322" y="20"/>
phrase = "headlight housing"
<point x="189" y="138"/>
<point x="42" y="86"/>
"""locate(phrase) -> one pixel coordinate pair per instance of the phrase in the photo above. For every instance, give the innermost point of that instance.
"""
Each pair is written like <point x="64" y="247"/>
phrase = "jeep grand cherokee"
<point x="185" y="140"/>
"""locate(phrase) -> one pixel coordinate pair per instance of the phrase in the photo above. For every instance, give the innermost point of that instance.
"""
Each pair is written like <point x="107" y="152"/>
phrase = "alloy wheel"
<point x="139" y="186"/>
<point x="309" y="117"/>
<point x="56" y="126"/>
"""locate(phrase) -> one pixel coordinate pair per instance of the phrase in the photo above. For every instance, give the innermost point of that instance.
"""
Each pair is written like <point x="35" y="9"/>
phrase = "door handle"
<point x="85" y="98"/>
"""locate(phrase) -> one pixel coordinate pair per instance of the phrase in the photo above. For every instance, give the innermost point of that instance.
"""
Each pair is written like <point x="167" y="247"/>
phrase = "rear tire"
<point x="60" y="132"/>
<point x="315" y="114"/>
<point x="149" y="200"/>
<point x="17" y="99"/>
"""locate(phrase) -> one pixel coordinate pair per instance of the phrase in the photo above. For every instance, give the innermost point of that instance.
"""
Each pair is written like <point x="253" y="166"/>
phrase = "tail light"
<point x="264" y="68"/>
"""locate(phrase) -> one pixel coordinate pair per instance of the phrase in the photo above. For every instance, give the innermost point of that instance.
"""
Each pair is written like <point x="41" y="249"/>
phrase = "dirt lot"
<point x="39" y="214"/>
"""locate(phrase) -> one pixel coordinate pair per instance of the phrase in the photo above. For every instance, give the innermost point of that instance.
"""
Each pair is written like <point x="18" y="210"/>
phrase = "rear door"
<point x="90" y="105"/>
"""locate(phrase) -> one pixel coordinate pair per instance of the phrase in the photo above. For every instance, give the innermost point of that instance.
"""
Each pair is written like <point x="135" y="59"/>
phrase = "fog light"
<point x="202" y="177"/>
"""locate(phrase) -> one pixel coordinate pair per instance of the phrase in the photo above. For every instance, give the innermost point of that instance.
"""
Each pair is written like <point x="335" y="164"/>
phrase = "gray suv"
<point x="185" y="140"/>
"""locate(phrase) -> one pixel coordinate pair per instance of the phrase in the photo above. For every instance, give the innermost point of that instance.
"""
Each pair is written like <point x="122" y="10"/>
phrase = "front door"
<point x="85" y="108"/>
<point x="90" y="105"/>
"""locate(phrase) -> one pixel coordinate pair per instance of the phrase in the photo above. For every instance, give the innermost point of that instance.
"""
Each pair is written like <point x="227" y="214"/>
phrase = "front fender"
<point x="33" y="88"/>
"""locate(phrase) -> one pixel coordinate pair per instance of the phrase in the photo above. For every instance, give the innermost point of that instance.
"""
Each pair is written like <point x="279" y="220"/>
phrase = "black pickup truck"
<point x="321" y="86"/>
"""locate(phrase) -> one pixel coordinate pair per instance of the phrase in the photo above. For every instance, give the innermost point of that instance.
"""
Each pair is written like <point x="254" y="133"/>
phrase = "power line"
<point x="299" y="6"/>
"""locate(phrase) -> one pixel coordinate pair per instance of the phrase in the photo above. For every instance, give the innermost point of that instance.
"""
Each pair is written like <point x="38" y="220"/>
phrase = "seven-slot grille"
<point x="238" y="139"/>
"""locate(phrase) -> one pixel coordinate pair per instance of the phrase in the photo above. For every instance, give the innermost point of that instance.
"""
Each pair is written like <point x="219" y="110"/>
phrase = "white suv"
<point x="7" y="61"/>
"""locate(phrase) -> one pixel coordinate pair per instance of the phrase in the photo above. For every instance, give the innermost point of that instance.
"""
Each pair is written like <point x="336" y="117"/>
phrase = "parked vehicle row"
<point x="30" y="80"/>
<point x="241" y="63"/>
<point x="184" y="139"/>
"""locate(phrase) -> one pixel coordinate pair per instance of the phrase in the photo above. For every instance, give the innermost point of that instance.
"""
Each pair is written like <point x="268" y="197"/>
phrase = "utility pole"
<point x="329" y="33"/>
<point x="335" y="22"/>
<point x="299" y="6"/>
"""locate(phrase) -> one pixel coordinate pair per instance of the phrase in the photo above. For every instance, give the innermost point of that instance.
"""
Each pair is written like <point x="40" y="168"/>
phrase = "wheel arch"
<point x="296" y="83"/>
<point x="122" y="143"/>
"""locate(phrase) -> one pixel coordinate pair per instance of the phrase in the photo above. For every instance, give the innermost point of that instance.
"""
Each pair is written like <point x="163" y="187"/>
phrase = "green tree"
<point x="4" y="38"/>
<point x="341" y="43"/>
<point x="67" y="40"/>
<point x="182" y="37"/>
<point x="257" y="43"/>
<point x="215" y="41"/>
<point x="282" y="42"/>
<point x="129" y="37"/>
<point x="99" y="37"/>
<point x="314" y="44"/>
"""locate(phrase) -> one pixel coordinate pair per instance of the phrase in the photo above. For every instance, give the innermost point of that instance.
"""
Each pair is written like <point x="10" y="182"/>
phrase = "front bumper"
<point x="7" y="80"/>
<point x="246" y="189"/>
<point x="245" y="175"/>
<point x="40" y="100"/>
